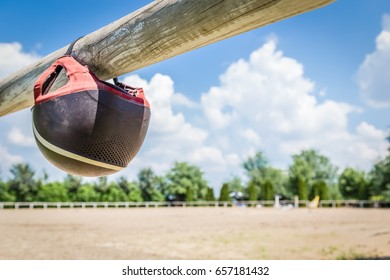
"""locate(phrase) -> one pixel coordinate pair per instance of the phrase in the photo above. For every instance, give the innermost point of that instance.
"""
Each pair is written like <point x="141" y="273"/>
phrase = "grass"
<point x="357" y="255"/>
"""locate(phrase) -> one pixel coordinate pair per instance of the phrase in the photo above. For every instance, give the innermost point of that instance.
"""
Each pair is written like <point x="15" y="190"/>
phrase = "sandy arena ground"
<point x="194" y="233"/>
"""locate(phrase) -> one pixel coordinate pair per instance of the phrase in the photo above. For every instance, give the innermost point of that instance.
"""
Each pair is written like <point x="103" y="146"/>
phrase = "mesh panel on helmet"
<point x="113" y="148"/>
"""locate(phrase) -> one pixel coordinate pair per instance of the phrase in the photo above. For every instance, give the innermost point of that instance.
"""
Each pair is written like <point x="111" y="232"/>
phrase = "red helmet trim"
<point x="80" y="78"/>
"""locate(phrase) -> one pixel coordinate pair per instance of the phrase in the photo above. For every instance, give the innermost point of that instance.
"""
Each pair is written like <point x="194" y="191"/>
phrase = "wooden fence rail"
<point x="158" y="31"/>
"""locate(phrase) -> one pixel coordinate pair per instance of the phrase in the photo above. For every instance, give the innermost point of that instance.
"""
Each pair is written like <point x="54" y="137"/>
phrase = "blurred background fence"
<point x="257" y="204"/>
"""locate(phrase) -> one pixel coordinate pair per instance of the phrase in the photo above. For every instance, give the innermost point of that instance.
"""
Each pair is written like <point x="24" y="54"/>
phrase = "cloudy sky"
<point x="319" y="80"/>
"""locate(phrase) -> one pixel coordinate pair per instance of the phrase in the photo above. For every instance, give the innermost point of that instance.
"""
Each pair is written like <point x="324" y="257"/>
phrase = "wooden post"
<point x="277" y="203"/>
<point x="296" y="201"/>
<point x="156" y="32"/>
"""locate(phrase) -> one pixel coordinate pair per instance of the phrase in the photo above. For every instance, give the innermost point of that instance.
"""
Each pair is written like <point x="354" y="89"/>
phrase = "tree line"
<point x="309" y="174"/>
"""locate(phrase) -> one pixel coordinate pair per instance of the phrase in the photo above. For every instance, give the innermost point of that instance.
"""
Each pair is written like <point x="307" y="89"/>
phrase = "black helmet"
<point x="88" y="127"/>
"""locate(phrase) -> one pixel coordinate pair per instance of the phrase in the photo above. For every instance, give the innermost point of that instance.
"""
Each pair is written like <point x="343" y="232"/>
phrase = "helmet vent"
<point x="114" y="149"/>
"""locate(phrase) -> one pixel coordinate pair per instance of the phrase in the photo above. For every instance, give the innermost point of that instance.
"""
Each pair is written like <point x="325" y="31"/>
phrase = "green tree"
<point x="183" y="176"/>
<point x="321" y="189"/>
<point x="114" y="194"/>
<point x="364" y="191"/>
<point x="302" y="189"/>
<point x="134" y="194"/>
<point x="379" y="179"/>
<point x="124" y="184"/>
<point x="310" y="166"/>
<point x="224" y="194"/>
<point x="23" y="184"/>
<point x="210" y="195"/>
<point x="101" y="187"/>
<point x="131" y="190"/>
<point x="252" y="191"/>
<point x="267" y="191"/>
<point x="150" y="185"/>
<point x="235" y="185"/>
<point x="258" y="162"/>
<point x="5" y="194"/>
<point x="258" y="169"/>
<point x="299" y="187"/>
<point x="190" y="193"/>
<point x="87" y="193"/>
<point x="52" y="192"/>
<point x="72" y="184"/>
<point x="353" y="185"/>
<point x="278" y="179"/>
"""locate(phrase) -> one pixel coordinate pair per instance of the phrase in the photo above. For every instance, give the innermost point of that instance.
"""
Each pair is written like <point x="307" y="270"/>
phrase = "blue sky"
<point x="318" y="80"/>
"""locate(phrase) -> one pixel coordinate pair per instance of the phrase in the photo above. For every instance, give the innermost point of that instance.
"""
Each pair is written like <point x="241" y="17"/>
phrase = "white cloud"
<point x="369" y="132"/>
<point x="162" y="97"/>
<point x="16" y="137"/>
<point x="264" y="102"/>
<point x="171" y="136"/>
<point x="7" y="159"/>
<point x="182" y="100"/>
<point x="16" y="127"/>
<point x="251" y="136"/>
<point x="322" y="93"/>
<point x="267" y="103"/>
<point x="13" y="58"/>
<point x="373" y="75"/>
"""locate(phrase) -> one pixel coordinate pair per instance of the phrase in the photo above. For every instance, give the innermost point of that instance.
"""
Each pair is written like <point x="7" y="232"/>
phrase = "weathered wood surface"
<point x="156" y="32"/>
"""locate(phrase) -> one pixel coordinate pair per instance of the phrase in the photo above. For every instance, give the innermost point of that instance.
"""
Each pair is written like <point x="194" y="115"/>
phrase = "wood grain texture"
<point x="156" y="32"/>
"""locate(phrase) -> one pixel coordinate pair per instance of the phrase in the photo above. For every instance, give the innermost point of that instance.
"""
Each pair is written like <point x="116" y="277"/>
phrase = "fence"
<point x="269" y="203"/>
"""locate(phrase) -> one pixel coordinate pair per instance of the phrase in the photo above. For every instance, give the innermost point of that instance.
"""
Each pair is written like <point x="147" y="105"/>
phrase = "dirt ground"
<point x="195" y="233"/>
